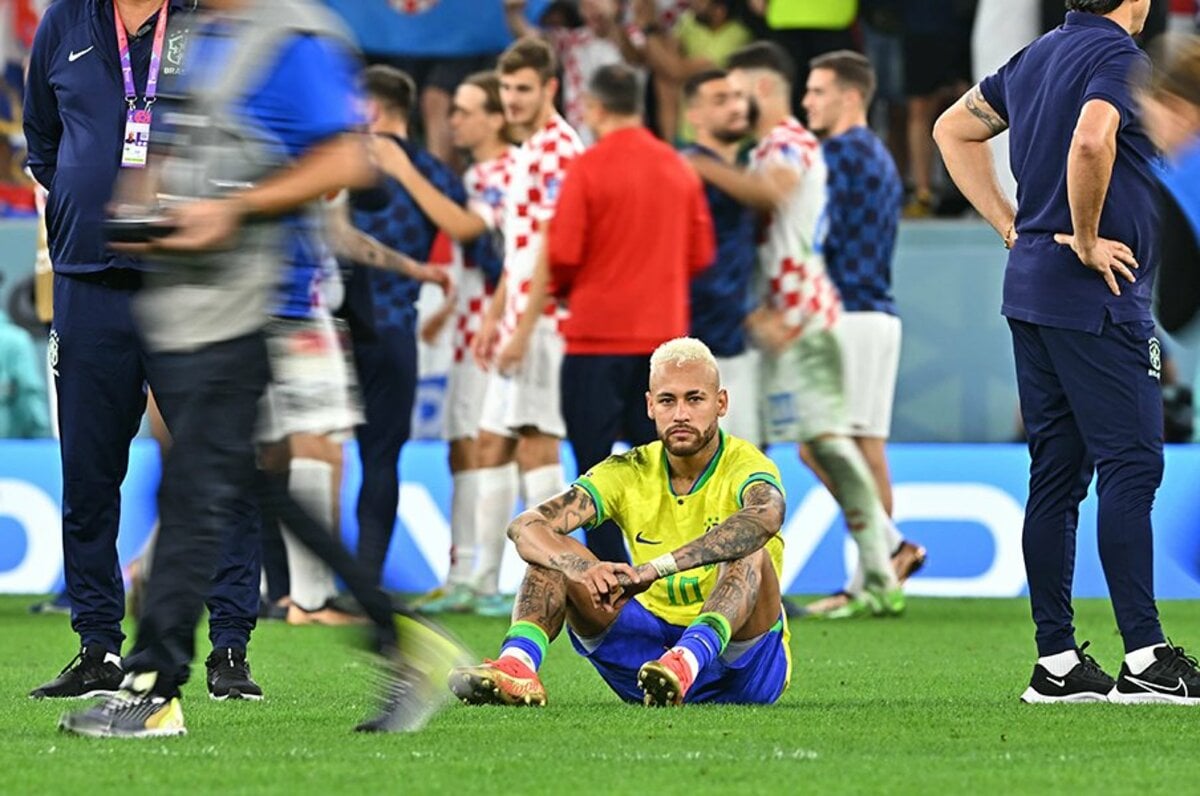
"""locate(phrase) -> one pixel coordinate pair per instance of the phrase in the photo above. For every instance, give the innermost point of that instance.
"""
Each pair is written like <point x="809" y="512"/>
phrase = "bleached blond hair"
<point x="683" y="351"/>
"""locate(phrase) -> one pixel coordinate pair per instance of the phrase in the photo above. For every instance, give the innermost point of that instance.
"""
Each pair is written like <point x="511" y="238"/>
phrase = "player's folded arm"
<point x="743" y="532"/>
<point x="537" y="532"/>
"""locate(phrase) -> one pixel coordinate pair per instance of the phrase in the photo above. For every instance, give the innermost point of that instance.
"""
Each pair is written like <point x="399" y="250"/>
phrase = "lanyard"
<point x="160" y="35"/>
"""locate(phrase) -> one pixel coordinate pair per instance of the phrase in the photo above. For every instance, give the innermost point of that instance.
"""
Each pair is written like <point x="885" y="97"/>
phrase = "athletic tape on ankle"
<point x="665" y="565"/>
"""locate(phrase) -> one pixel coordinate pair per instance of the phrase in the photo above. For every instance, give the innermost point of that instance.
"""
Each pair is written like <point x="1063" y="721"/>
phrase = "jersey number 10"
<point x="683" y="591"/>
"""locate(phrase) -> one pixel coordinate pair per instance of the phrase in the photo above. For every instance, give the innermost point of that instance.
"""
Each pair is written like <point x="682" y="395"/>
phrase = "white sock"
<point x="854" y="486"/>
<point x="310" y="482"/>
<point x="1061" y="664"/>
<point x="110" y="657"/>
<point x="1139" y="661"/>
<point x="494" y="508"/>
<point x="854" y="586"/>
<point x="462" y="527"/>
<point x="541" y="484"/>
<point x="519" y="654"/>
<point x="689" y="658"/>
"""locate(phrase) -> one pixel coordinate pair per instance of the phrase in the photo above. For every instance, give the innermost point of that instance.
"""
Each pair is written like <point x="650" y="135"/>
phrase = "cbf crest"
<point x="176" y="48"/>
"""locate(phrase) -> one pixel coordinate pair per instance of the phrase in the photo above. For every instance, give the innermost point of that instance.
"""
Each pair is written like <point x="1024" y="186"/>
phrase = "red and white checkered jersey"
<point x="581" y="53"/>
<point x="789" y="253"/>
<point x="487" y="186"/>
<point x="539" y="166"/>
<point x="468" y="317"/>
<point x="487" y="189"/>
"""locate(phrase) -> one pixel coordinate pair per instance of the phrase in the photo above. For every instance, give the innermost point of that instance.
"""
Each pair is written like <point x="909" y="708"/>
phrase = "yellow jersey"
<point x="634" y="490"/>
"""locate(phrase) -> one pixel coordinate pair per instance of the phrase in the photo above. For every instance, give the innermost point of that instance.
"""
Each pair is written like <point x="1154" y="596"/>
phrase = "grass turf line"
<point x="876" y="706"/>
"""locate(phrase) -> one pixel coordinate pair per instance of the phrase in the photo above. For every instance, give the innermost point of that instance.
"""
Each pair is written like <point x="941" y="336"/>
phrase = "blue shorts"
<point x="758" y="676"/>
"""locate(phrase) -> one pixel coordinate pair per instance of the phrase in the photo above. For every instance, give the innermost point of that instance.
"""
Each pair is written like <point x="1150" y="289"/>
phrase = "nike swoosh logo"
<point x="641" y="540"/>
<point x="1180" y="688"/>
<point x="75" y="56"/>
<point x="1059" y="683"/>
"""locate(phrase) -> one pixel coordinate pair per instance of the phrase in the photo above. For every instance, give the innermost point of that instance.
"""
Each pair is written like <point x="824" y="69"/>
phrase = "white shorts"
<point x="803" y="391"/>
<point x="531" y="397"/>
<point x="466" y="386"/>
<point x="870" y="359"/>
<point x="312" y="389"/>
<point x="741" y="376"/>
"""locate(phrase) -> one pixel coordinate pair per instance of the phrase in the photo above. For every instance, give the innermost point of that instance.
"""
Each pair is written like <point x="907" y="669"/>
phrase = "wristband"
<point x="665" y="565"/>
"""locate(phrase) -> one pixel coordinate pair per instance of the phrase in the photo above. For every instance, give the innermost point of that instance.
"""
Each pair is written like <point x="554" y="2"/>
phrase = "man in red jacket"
<point x="631" y="229"/>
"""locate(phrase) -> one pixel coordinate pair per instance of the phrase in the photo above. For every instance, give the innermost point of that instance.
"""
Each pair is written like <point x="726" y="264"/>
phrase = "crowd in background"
<point x="926" y="52"/>
<point x="922" y="49"/>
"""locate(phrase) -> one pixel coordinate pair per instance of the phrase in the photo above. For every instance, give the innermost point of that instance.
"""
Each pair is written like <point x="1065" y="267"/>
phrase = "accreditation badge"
<point x="137" y="139"/>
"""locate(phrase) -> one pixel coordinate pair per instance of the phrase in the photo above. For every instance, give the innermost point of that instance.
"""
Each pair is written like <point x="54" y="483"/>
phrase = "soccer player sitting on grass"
<point x="701" y="512"/>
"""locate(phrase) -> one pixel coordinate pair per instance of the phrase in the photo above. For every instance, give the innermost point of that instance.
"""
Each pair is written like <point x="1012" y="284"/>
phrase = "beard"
<point x="690" y="445"/>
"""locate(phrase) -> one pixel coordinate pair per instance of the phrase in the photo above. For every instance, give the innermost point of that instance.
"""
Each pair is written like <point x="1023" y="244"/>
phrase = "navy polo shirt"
<point x="1040" y="92"/>
<point x="865" y="194"/>
<point x="720" y="294"/>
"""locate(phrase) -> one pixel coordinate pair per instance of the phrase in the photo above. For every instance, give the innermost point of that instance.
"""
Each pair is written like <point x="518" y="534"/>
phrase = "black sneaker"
<point x="1172" y="680"/>
<point x="130" y="713"/>
<point x="229" y="676"/>
<point x="89" y="674"/>
<point x="1087" y="682"/>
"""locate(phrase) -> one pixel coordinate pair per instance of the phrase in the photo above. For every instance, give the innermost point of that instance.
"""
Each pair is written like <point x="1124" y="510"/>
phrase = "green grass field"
<point x="925" y="704"/>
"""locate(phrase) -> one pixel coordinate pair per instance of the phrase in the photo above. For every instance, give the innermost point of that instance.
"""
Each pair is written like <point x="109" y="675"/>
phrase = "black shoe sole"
<point x="235" y="694"/>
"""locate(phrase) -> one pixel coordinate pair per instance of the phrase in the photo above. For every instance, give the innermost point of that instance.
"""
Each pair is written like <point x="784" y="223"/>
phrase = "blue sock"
<point x="705" y="638"/>
<point x="529" y="639"/>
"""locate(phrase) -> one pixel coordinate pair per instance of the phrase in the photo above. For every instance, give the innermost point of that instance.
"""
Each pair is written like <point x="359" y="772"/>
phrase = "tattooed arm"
<point x="541" y="538"/>
<point x="962" y="134"/>
<point x="354" y="244"/>
<point x="761" y="517"/>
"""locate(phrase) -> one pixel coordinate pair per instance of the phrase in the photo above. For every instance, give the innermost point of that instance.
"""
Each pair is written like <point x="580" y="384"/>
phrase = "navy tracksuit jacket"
<point x="74" y="122"/>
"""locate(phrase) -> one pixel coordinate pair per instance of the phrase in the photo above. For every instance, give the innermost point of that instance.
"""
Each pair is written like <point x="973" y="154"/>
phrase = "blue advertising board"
<point x="963" y="502"/>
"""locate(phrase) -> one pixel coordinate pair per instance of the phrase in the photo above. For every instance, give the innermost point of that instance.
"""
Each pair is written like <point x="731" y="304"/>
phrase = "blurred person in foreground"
<point x="865" y="194"/>
<point x="1088" y="364"/>
<point x="265" y="131"/>
<point x="698" y="617"/>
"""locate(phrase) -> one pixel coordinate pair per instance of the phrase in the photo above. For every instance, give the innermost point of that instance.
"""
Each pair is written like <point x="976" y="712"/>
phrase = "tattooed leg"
<point x="546" y="597"/>
<point x="747" y="595"/>
<point x="542" y="599"/>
